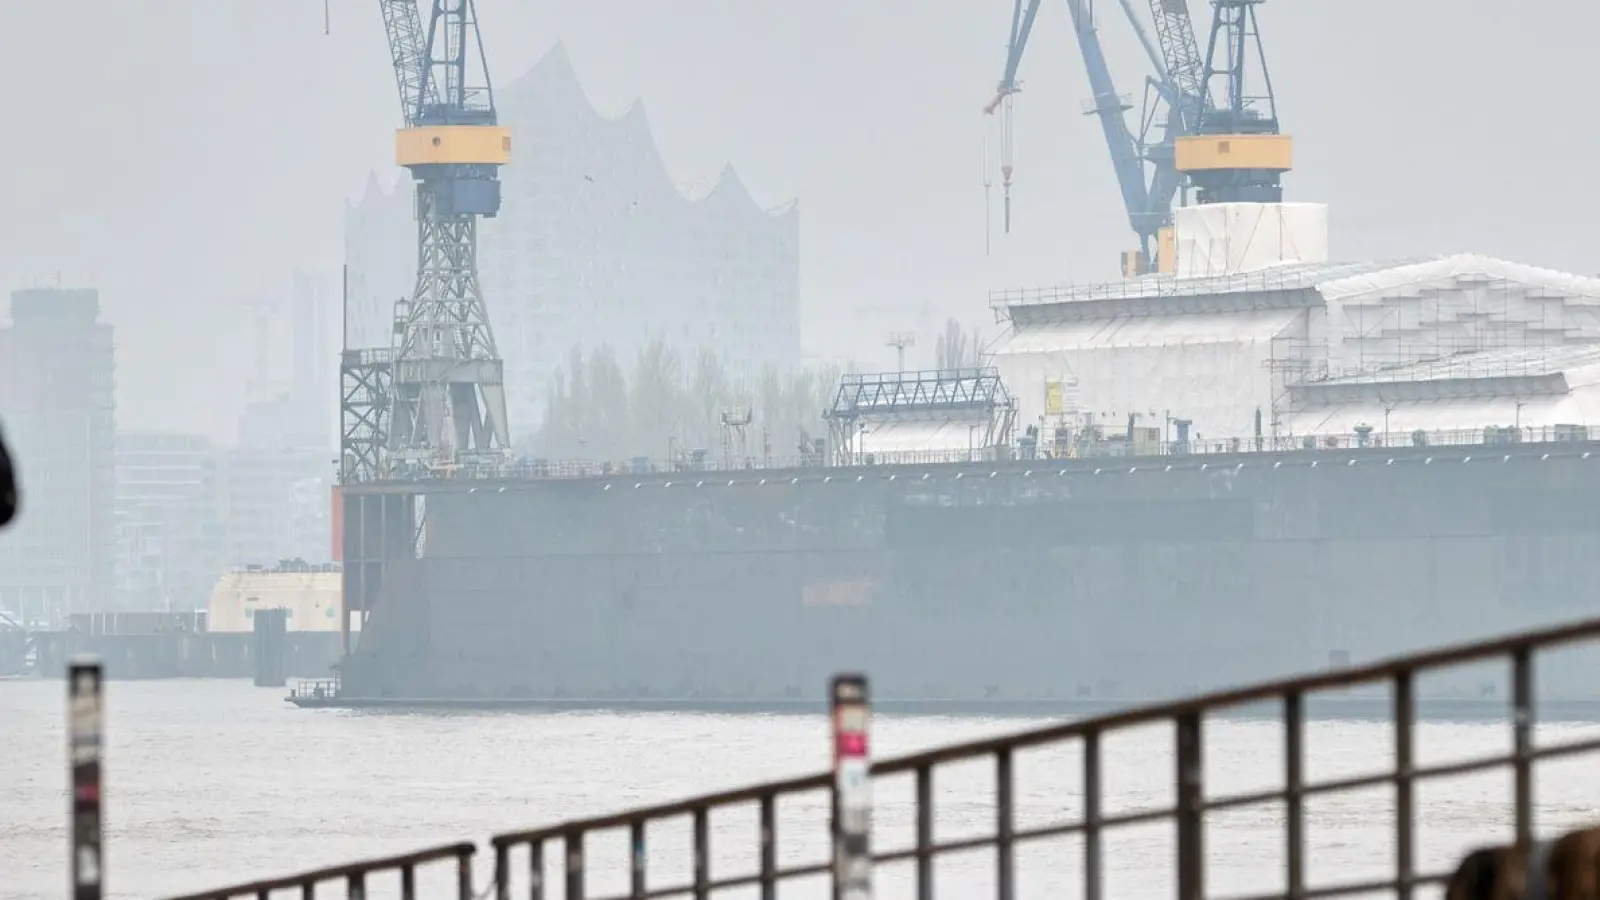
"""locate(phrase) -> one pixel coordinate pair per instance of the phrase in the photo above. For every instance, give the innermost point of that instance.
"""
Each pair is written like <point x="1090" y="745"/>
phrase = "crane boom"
<point x="1021" y="27"/>
<point x="402" y="21"/>
<point x="1109" y="106"/>
<point x="1175" y="34"/>
<point x="1148" y="205"/>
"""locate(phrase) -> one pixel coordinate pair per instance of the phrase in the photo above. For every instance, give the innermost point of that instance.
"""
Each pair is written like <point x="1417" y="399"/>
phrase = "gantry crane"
<point x="1190" y="144"/>
<point x="1236" y="152"/>
<point x="448" y="382"/>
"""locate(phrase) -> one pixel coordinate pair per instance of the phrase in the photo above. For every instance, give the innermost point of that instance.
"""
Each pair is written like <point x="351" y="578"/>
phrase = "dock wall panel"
<point x="1121" y="585"/>
<point x="158" y="656"/>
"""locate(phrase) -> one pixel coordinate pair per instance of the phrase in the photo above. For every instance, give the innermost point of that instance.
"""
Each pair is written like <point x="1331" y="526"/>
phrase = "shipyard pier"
<point x="1159" y="485"/>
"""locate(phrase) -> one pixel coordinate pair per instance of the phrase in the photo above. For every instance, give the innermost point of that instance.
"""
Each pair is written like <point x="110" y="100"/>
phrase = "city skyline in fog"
<point x="870" y="118"/>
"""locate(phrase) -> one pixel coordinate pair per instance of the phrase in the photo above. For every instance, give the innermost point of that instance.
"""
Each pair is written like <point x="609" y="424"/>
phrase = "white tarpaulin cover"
<point x="1212" y="369"/>
<point x="1460" y="272"/>
<point x="1492" y="403"/>
<point x="952" y="440"/>
<point x="1229" y="238"/>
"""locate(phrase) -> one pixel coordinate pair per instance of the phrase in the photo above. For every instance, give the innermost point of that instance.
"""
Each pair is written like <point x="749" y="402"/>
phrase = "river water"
<point x="210" y="782"/>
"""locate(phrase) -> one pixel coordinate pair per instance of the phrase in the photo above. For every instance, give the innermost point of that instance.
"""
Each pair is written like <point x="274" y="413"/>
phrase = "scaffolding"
<point x="365" y="377"/>
<point x="937" y="415"/>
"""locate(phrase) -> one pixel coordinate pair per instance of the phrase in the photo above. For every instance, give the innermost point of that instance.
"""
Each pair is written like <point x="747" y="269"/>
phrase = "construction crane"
<point x="447" y="386"/>
<point x="1142" y="159"/>
<point x="1236" y="154"/>
<point x="1226" y="151"/>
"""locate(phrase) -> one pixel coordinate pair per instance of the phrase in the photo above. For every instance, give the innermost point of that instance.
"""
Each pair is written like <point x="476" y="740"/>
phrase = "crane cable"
<point x="1005" y="157"/>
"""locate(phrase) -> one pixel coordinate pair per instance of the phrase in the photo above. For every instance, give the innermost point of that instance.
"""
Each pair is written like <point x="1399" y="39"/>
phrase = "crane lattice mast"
<point x="448" y="383"/>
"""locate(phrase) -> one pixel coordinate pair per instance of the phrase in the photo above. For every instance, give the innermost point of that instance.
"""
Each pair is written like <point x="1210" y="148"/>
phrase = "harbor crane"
<point x="1183" y="137"/>
<point x="1236" y="153"/>
<point x="447" y="386"/>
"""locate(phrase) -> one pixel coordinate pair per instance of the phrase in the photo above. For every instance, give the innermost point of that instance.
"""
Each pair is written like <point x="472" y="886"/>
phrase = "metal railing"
<point x="1111" y="444"/>
<point x="524" y="854"/>
<point x="357" y="877"/>
<point x="1188" y="814"/>
<point x="314" y="688"/>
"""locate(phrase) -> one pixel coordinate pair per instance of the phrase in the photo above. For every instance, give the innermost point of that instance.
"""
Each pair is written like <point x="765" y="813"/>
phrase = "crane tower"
<point x="1236" y="153"/>
<point x="448" y="383"/>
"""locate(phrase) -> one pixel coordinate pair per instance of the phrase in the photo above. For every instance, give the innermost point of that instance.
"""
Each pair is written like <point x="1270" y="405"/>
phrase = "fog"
<point x="186" y="156"/>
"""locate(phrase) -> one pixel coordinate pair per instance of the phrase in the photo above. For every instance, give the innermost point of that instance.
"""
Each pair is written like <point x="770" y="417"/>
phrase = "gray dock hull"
<point x="1038" y="581"/>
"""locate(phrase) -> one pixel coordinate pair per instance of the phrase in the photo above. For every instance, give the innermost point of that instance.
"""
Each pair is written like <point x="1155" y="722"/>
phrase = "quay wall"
<point x="1110" y="579"/>
<point x="185" y="655"/>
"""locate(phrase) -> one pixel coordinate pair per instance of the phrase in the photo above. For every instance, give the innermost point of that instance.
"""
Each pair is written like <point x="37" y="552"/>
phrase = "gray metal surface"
<point x="1108" y="580"/>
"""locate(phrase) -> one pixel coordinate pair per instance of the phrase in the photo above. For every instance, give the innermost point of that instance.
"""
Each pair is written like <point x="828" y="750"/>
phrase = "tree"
<point x="661" y="407"/>
<point x="957" y="348"/>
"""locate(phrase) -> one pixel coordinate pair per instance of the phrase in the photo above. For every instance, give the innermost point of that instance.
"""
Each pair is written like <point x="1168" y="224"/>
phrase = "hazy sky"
<point x="182" y="154"/>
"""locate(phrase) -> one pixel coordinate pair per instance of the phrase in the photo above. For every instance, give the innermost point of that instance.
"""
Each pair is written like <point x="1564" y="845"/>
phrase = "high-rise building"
<point x="169" y="535"/>
<point x="275" y="505"/>
<point x="57" y="401"/>
<point x="273" y="487"/>
<point x="595" y="245"/>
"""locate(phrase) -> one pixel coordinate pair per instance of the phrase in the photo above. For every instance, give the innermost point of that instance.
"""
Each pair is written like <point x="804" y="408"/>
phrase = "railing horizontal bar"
<point x="1421" y="773"/>
<point x="1037" y="832"/>
<point x="1346" y="889"/>
<point x="722" y="884"/>
<point x="751" y="794"/>
<point x="420" y="857"/>
<point x="1208" y="703"/>
<point x="1142" y="816"/>
<point x="1372" y="673"/>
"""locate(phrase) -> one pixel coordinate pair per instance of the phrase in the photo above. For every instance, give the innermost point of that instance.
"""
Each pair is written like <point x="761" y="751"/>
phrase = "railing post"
<point x="536" y="870"/>
<point x="1294" y="785"/>
<point x="1004" y="827"/>
<point x="852" y="790"/>
<point x="769" y="847"/>
<point x="85" y="723"/>
<point x="1405" y="713"/>
<point x="924" y="832"/>
<point x="638" y="886"/>
<point x="702" y="854"/>
<point x="1091" y="817"/>
<point x="1191" y="815"/>
<point x="502" y="871"/>
<point x="574" y="845"/>
<point x="1522" y="746"/>
<point x="464" y="875"/>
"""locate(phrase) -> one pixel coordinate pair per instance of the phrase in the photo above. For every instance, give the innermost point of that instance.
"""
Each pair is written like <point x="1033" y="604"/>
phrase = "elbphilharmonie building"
<point x="594" y="245"/>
